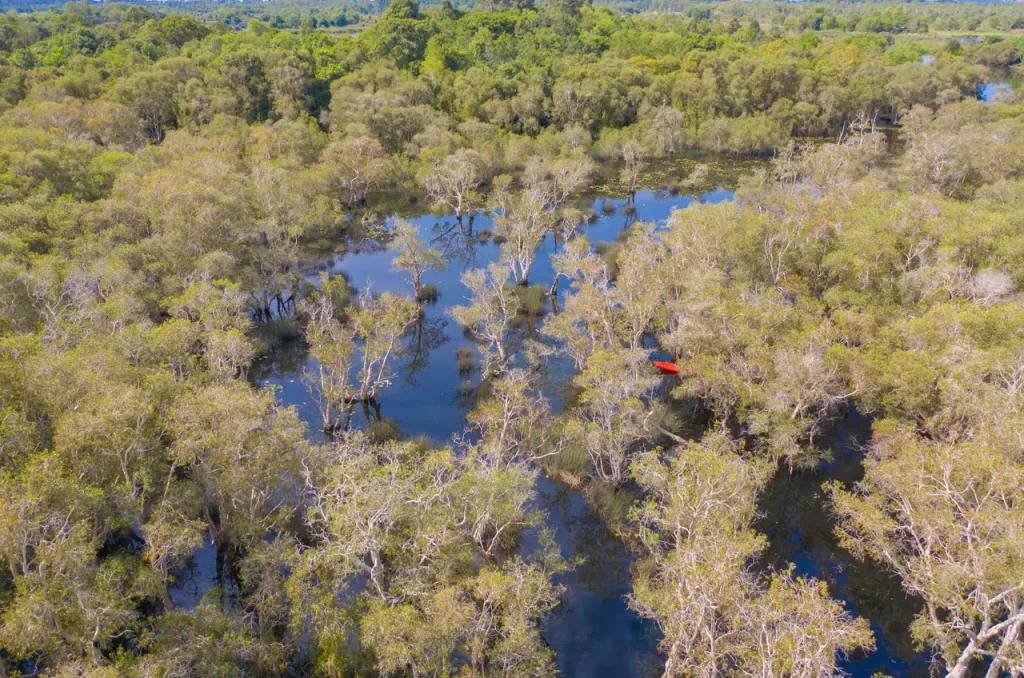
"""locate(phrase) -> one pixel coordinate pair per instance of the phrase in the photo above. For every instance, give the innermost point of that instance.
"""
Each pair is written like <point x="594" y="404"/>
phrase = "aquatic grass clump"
<point x="484" y="235"/>
<point x="383" y="430"/>
<point x="608" y="207"/>
<point x="422" y="443"/>
<point x="533" y="300"/>
<point x="464" y="359"/>
<point x="612" y="503"/>
<point x="571" y="465"/>
<point x="464" y="389"/>
<point x="428" y="294"/>
<point x="609" y="252"/>
<point x="628" y="210"/>
<point x="499" y="239"/>
<point x="274" y="334"/>
<point x="589" y="217"/>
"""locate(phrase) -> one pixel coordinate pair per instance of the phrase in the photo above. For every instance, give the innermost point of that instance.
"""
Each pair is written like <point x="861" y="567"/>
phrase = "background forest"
<point x="176" y="189"/>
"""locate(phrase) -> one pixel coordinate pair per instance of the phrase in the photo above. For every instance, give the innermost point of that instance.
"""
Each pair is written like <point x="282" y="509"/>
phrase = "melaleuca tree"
<point x="217" y="309"/>
<point x="514" y="421"/>
<point x="244" y="451"/>
<point x="611" y="419"/>
<point x="453" y="182"/>
<point x="332" y="345"/>
<point x="413" y="256"/>
<point x="67" y="603"/>
<point x="380" y="322"/>
<point x="699" y="584"/>
<point x="353" y="167"/>
<point x="417" y="524"/>
<point x="375" y="325"/>
<point x="523" y="219"/>
<point x="560" y="178"/>
<point x="490" y="315"/>
<point x="942" y="516"/>
<point x="586" y="321"/>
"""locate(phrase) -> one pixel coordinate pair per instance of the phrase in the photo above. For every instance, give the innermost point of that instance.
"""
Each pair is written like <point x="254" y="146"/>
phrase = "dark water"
<point x="796" y="520"/>
<point x="593" y="633"/>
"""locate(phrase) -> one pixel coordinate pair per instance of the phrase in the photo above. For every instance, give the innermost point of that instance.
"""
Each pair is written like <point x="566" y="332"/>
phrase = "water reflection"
<point x="799" y="528"/>
<point x="427" y="335"/>
<point x="996" y="92"/>
<point x="206" y="569"/>
<point x="429" y="398"/>
<point x="593" y="633"/>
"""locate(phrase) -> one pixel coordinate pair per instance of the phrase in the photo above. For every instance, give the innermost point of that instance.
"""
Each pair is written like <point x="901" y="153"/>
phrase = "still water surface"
<point x="992" y="92"/>
<point x="593" y="633"/>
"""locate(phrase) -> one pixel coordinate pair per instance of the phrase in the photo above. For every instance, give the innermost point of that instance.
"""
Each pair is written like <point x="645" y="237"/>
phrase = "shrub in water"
<point x="428" y="294"/>
<point x="273" y="334"/>
<point x="383" y="430"/>
<point x="464" y="356"/>
<point x="533" y="300"/>
<point x="422" y="443"/>
<point x="609" y="251"/>
<point x="571" y="464"/>
<point x="608" y="207"/>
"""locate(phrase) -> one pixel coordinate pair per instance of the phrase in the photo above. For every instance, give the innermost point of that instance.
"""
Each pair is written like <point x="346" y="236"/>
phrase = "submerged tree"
<point x="523" y="219"/>
<point x="559" y="178"/>
<point x="354" y="355"/>
<point x="587" y="321"/>
<point x="453" y="183"/>
<point x="424" y="528"/>
<point x="492" y="309"/>
<point x="355" y="166"/>
<point x="332" y="344"/>
<point x="242" y="449"/>
<point x="514" y="421"/>
<point x="633" y="163"/>
<point x="700" y="586"/>
<point x="946" y="518"/>
<point x="611" y="418"/>
<point x="413" y="256"/>
<point x="380" y="322"/>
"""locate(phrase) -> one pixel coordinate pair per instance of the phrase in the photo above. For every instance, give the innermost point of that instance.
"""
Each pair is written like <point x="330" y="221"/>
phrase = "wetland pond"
<point x="592" y="632"/>
<point x="1000" y="86"/>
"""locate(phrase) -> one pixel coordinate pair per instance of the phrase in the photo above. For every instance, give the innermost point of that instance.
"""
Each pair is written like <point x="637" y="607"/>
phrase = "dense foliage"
<point x="165" y="184"/>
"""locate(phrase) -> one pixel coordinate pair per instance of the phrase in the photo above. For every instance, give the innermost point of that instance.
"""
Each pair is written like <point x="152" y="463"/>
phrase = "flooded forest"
<point x="648" y="338"/>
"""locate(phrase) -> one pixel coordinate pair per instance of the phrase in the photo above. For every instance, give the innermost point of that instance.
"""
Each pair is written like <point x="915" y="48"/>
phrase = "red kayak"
<point x="666" y="368"/>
